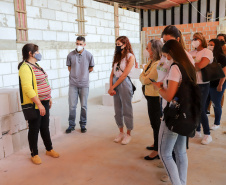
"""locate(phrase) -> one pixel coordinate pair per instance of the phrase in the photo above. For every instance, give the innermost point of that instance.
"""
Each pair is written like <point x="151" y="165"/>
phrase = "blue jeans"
<point x="123" y="104"/>
<point x="74" y="93"/>
<point x="216" y="97"/>
<point x="168" y="142"/>
<point x="204" y="88"/>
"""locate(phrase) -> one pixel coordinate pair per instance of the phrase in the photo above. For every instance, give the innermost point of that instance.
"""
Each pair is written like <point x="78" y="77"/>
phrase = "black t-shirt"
<point x="222" y="61"/>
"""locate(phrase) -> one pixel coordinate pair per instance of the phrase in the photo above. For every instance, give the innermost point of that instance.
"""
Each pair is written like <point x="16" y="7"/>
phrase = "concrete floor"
<point x="94" y="159"/>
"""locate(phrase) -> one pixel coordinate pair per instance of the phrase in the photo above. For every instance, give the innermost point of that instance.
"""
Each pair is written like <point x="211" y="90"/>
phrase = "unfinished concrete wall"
<point x="52" y="25"/>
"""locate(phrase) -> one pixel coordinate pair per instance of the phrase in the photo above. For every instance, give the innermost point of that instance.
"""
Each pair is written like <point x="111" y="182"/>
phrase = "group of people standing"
<point x="160" y="83"/>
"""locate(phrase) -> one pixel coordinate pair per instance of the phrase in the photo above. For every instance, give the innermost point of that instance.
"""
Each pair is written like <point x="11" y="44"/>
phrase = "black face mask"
<point x="222" y="42"/>
<point x="119" y="49"/>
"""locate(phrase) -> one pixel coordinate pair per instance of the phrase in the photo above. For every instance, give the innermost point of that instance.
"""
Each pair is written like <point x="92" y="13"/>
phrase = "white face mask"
<point x="210" y="48"/>
<point x="79" y="48"/>
<point x="195" y="43"/>
<point x="162" y="41"/>
<point x="146" y="53"/>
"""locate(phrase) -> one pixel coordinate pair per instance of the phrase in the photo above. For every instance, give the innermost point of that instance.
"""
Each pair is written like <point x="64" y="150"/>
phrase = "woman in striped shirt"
<point x="35" y="88"/>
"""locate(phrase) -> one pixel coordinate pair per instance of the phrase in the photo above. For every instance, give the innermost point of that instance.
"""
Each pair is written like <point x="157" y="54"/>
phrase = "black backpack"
<point x="185" y="118"/>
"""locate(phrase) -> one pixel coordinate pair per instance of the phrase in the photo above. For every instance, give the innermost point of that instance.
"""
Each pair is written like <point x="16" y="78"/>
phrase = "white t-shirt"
<point x="174" y="75"/>
<point x="118" y="72"/>
<point x="164" y="66"/>
<point x="197" y="56"/>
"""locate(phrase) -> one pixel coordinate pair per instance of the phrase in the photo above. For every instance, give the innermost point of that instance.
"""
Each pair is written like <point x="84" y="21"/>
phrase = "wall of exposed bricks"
<point x="209" y="29"/>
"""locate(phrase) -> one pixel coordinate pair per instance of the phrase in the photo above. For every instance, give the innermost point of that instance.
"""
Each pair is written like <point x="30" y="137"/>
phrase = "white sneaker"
<point x="207" y="139"/>
<point x="214" y="127"/>
<point x="198" y="134"/>
<point x="126" y="139"/>
<point x="119" y="137"/>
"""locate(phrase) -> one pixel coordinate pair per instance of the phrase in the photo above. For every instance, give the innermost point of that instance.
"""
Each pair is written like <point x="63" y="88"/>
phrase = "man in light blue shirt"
<point x="80" y="63"/>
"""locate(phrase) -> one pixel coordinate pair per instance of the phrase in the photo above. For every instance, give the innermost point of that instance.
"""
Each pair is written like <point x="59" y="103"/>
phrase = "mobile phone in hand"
<point x="152" y="80"/>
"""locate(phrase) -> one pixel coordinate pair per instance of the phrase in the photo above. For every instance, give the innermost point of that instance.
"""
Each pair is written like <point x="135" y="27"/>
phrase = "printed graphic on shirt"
<point x="160" y="67"/>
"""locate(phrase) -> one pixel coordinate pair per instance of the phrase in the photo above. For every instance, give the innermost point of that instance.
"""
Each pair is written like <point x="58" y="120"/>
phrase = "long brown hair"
<point x="176" y="51"/>
<point x="25" y="52"/>
<point x="128" y="49"/>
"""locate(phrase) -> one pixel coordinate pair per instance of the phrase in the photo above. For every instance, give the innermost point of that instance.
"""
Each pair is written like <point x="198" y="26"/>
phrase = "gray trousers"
<point x="123" y="104"/>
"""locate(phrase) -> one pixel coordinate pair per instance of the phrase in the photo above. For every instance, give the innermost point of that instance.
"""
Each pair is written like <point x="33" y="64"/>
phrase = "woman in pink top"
<point x="121" y="88"/>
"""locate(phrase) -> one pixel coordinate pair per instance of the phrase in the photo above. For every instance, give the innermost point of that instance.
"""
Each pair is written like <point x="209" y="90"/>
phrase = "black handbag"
<point x="184" y="117"/>
<point x="28" y="109"/>
<point x="212" y="72"/>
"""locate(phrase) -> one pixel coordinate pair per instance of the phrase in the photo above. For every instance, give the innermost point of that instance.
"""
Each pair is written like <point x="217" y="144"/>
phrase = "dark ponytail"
<point x="25" y="52"/>
<point x="174" y="32"/>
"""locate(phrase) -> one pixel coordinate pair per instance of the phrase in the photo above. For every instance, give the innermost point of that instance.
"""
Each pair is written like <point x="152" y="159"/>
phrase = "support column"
<point x="152" y="18"/>
<point x="116" y="20"/>
<point x="160" y="17"/>
<point x="185" y="13"/>
<point x="222" y="8"/>
<point x="168" y="17"/>
<point x="177" y="15"/>
<point x="143" y="46"/>
<point x="81" y="19"/>
<point x="194" y="15"/>
<point x="213" y="9"/>
<point x="203" y="10"/>
<point x="145" y="18"/>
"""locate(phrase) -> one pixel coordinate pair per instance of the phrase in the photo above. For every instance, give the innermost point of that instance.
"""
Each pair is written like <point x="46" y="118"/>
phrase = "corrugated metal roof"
<point x="149" y="4"/>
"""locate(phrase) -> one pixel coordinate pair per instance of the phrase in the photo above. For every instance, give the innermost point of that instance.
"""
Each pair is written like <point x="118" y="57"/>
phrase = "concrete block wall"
<point x="209" y="29"/>
<point x="13" y="127"/>
<point x="51" y="20"/>
<point x="129" y="25"/>
<point x="8" y="56"/>
<point x="52" y="26"/>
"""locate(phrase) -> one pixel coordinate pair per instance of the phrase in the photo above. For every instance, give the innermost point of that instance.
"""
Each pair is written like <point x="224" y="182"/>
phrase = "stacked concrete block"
<point x="4" y="106"/>
<point x="1" y="149"/>
<point x="7" y="144"/>
<point x="13" y="126"/>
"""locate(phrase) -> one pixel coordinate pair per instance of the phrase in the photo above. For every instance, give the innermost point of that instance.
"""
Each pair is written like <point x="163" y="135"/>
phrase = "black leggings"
<point x="154" y="113"/>
<point x="42" y="124"/>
